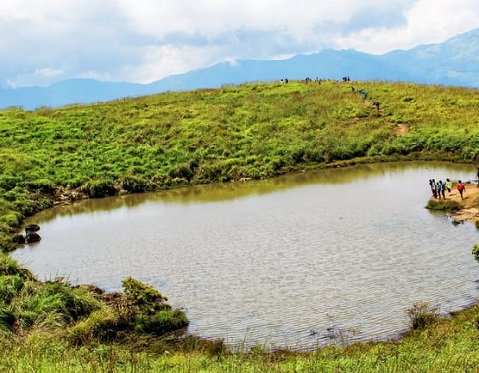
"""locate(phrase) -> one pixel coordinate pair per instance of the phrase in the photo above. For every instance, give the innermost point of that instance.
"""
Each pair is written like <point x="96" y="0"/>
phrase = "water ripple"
<point x="297" y="267"/>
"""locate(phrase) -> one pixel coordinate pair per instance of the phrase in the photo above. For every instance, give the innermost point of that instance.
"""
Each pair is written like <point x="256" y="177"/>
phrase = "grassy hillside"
<point x="254" y="130"/>
<point x="167" y="140"/>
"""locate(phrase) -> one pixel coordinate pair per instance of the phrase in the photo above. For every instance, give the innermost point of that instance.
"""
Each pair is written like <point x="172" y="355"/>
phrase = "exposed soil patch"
<point x="401" y="129"/>
<point x="470" y="203"/>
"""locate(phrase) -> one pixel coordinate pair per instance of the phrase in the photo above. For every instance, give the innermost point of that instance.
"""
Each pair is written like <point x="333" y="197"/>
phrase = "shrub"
<point x="164" y="321"/>
<point x="421" y="314"/>
<point x="102" y="325"/>
<point x="133" y="184"/>
<point x="182" y="171"/>
<point x="148" y="311"/>
<point x="144" y="297"/>
<point x="99" y="189"/>
<point x="475" y="252"/>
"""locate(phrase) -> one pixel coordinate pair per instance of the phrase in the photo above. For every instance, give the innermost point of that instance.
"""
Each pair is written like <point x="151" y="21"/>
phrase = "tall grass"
<point x="447" y="345"/>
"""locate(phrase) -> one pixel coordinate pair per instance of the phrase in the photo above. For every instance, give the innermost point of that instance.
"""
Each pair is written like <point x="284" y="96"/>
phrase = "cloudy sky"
<point x="45" y="41"/>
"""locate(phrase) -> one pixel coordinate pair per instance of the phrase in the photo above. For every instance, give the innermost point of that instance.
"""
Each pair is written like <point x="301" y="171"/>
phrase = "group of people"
<point x="439" y="188"/>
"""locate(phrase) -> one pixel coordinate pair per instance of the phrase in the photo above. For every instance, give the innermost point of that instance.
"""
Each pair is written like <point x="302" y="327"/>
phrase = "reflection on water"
<point x="286" y="262"/>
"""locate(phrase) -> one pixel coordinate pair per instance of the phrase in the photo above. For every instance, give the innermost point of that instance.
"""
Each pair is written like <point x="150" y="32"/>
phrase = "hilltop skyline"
<point x="143" y="41"/>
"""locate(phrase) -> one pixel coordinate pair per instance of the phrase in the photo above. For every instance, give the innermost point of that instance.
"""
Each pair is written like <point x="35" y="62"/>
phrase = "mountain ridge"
<point x="453" y="62"/>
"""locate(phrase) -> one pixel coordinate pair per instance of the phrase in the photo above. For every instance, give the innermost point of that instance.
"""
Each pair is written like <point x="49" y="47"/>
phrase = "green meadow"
<point x="252" y="131"/>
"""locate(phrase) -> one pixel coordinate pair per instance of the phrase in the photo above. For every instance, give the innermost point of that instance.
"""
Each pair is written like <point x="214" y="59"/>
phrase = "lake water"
<point x="295" y="261"/>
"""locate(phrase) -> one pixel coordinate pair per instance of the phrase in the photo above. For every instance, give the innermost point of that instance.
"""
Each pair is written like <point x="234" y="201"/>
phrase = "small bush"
<point x="421" y="314"/>
<point x="99" y="189"/>
<point x="148" y="311"/>
<point x="102" y="325"/>
<point x="165" y="321"/>
<point x="133" y="184"/>
<point x="182" y="171"/>
<point x="475" y="252"/>
<point x="144" y="297"/>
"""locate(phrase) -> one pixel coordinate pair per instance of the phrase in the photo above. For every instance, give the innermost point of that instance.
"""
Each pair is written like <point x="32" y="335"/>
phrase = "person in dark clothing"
<point x="442" y="189"/>
<point x="432" y="184"/>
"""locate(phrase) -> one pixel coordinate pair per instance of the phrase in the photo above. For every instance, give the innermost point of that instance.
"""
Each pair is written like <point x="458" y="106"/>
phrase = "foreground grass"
<point x="447" y="345"/>
<point x="175" y="139"/>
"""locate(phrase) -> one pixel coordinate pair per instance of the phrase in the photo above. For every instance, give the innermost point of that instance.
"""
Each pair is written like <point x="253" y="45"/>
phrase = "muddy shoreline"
<point x="469" y="211"/>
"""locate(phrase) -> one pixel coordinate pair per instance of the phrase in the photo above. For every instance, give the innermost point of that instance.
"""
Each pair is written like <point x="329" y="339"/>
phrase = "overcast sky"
<point x="45" y="41"/>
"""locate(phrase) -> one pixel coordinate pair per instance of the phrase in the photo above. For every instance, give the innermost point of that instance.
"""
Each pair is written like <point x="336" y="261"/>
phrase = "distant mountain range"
<point x="454" y="62"/>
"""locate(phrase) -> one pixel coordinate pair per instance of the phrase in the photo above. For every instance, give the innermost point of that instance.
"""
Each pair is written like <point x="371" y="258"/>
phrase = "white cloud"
<point x="428" y="21"/>
<point x="48" y="72"/>
<point x="175" y="59"/>
<point x="145" y="40"/>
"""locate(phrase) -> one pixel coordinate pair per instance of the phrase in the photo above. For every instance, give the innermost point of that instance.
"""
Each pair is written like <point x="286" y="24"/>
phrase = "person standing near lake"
<point x="442" y="188"/>
<point x="448" y="186"/>
<point x="438" y="189"/>
<point x="461" y="188"/>
<point x="434" y="188"/>
<point x="432" y="184"/>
